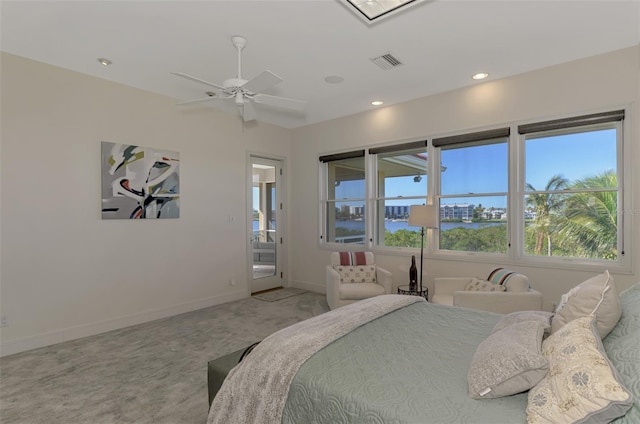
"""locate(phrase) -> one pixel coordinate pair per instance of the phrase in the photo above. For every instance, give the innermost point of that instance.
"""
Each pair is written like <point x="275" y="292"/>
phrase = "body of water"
<point x="394" y="226"/>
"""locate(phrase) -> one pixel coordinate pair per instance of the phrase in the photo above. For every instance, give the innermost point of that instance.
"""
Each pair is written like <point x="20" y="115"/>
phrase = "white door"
<point x="265" y="224"/>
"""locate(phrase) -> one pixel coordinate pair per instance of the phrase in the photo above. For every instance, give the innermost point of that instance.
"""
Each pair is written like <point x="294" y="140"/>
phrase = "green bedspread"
<point x="416" y="373"/>
<point x="410" y="366"/>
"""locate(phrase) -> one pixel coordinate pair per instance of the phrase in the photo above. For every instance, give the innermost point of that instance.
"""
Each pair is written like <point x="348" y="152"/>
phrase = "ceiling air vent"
<point x="386" y="61"/>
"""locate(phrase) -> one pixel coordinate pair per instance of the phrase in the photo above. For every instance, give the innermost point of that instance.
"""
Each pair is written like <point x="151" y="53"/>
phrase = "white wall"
<point x="65" y="272"/>
<point x="609" y="80"/>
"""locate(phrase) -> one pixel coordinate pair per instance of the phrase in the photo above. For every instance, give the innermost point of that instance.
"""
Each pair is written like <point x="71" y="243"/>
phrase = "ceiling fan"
<point x="245" y="92"/>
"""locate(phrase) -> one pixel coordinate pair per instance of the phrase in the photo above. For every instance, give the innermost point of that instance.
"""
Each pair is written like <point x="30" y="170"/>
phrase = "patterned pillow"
<point x="507" y="362"/>
<point x="543" y="317"/>
<point x="582" y="385"/>
<point x="357" y="273"/>
<point x="481" y="285"/>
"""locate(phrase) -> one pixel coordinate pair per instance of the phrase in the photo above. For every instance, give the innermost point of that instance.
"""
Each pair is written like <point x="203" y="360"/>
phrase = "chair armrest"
<point x="449" y="285"/>
<point x="500" y="302"/>
<point x="333" y="287"/>
<point x="384" y="279"/>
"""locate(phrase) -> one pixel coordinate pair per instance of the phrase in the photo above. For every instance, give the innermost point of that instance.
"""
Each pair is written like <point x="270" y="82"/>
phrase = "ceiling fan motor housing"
<point x="233" y="83"/>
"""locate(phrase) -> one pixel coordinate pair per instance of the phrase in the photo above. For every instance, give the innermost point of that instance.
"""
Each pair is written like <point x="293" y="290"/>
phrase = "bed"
<point x="407" y="365"/>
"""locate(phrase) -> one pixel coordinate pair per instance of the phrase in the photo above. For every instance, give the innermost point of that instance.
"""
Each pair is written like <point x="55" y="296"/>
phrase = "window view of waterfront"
<point x="568" y="198"/>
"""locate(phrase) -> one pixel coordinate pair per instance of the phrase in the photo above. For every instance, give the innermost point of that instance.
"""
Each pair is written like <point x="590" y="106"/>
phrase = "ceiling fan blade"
<point x="206" y="99"/>
<point x="189" y="77"/>
<point x="265" y="80"/>
<point x="280" y="102"/>
<point x="248" y="111"/>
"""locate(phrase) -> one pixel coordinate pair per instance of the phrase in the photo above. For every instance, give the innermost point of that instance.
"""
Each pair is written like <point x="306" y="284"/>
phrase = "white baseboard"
<point x="71" y="333"/>
<point x="314" y="287"/>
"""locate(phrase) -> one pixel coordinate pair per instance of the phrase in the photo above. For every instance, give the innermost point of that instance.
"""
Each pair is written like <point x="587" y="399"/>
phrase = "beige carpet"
<point x="149" y="373"/>
<point x="279" y="294"/>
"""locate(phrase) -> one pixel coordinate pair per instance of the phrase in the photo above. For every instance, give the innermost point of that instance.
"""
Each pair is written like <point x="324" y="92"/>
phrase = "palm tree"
<point x="591" y="226"/>
<point x="546" y="206"/>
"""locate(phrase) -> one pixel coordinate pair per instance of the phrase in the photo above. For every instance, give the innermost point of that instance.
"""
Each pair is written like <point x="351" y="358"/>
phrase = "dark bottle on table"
<point x="413" y="274"/>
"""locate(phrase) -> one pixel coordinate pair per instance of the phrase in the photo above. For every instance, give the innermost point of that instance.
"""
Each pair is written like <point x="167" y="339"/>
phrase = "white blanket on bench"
<point x="256" y="390"/>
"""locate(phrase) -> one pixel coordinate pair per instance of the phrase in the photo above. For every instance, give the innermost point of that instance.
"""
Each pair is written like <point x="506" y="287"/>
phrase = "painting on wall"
<point x="139" y="182"/>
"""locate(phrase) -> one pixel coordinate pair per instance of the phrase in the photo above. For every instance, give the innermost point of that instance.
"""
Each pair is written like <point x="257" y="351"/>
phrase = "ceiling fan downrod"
<point x="239" y="42"/>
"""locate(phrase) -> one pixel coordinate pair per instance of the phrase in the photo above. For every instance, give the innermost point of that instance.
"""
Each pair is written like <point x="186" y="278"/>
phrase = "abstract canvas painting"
<point x="139" y="182"/>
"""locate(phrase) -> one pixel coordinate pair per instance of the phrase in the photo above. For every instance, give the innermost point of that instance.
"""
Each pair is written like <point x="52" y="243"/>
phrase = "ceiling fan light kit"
<point x="245" y="92"/>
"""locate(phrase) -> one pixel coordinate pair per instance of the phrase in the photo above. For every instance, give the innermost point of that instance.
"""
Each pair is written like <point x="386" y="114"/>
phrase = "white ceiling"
<point x="441" y="43"/>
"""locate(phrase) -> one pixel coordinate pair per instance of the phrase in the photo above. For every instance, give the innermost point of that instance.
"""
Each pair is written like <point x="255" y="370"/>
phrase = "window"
<point x="572" y="187"/>
<point x="343" y="203"/>
<point x="473" y="191"/>
<point x="401" y="181"/>
<point x="546" y="194"/>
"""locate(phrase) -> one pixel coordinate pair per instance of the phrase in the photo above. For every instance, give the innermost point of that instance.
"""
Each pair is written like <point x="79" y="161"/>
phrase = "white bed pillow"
<point x="598" y="296"/>
<point x="582" y="386"/>
<point x="507" y="362"/>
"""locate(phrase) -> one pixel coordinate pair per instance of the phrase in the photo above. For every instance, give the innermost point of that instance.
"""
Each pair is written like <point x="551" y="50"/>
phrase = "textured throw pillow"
<point x="582" y="385"/>
<point x="357" y="273"/>
<point x="513" y="281"/>
<point x="481" y="285"/>
<point x="598" y="296"/>
<point x="507" y="362"/>
<point x="543" y="317"/>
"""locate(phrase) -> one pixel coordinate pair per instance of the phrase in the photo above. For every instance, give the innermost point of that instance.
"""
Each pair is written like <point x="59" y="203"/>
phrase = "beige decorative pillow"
<point x="477" y="284"/>
<point x="582" y="385"/>
<point x="507" y="362"/>
<point x="597" y="295"/>
<point x="357" y="273"/>
<point x="543" y="317"/>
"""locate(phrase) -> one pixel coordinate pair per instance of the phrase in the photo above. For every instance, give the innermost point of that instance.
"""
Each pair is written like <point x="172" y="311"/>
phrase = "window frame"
<point x="325" y="199"/>
<point x="576" y="124"/>
<point x="377" y="219"/>
<point x="472" y="139"/>
<point x="515" y="198"/>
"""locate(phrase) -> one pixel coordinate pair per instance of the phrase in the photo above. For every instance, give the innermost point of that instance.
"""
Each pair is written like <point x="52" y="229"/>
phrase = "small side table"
<point x="406" y="289"/>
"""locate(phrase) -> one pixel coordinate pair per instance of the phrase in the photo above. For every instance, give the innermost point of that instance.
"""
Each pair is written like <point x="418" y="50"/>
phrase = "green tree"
<point x="546" y="206"/>
<point x="402" y="238"/>
<point x="478" y="212"/>
<point x="590" y="228"/>
<point x="490" y="238"/>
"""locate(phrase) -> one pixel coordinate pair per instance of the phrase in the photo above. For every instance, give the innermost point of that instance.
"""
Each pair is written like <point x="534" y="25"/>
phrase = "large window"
<point x="573" y="187"/>
<point x="401" y="181"/>
<point x="545" y="193"/>
<point x="344" y="198"/>
<point x="474" y="183"/>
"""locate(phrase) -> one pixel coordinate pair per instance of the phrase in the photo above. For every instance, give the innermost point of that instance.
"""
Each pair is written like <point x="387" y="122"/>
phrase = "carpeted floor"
<point x="278" y="294"/>
<point x="149" y="373"/>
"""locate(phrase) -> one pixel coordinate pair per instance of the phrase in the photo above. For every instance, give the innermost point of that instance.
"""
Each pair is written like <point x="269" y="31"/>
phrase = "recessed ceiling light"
<point x="377" y="102"/>
<point x="480" y="75"/>
<point x="103" y="61"/>
<point x="334" y="79"/>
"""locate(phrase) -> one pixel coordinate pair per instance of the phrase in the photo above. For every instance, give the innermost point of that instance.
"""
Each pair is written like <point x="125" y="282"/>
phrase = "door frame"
<point x="281" y="217"/>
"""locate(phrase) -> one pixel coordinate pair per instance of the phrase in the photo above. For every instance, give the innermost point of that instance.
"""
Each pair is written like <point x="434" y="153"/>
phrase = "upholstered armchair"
<point x="502" y="292"/>
<point x="353" y="276"/>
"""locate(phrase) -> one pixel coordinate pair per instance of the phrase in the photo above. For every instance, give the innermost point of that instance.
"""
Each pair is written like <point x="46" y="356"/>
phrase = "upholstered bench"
<point x="219" y="368"/>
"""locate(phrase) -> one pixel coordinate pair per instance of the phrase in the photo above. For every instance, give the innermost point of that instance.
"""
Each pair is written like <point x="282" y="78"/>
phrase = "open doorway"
<point x="265" y="224"/>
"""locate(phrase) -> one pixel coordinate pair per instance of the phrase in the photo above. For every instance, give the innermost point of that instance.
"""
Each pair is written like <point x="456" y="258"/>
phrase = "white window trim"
<point x="515" y="192"/>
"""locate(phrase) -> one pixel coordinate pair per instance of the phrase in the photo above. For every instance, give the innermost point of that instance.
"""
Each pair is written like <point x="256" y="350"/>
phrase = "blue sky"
<point x="484" y="168"/>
